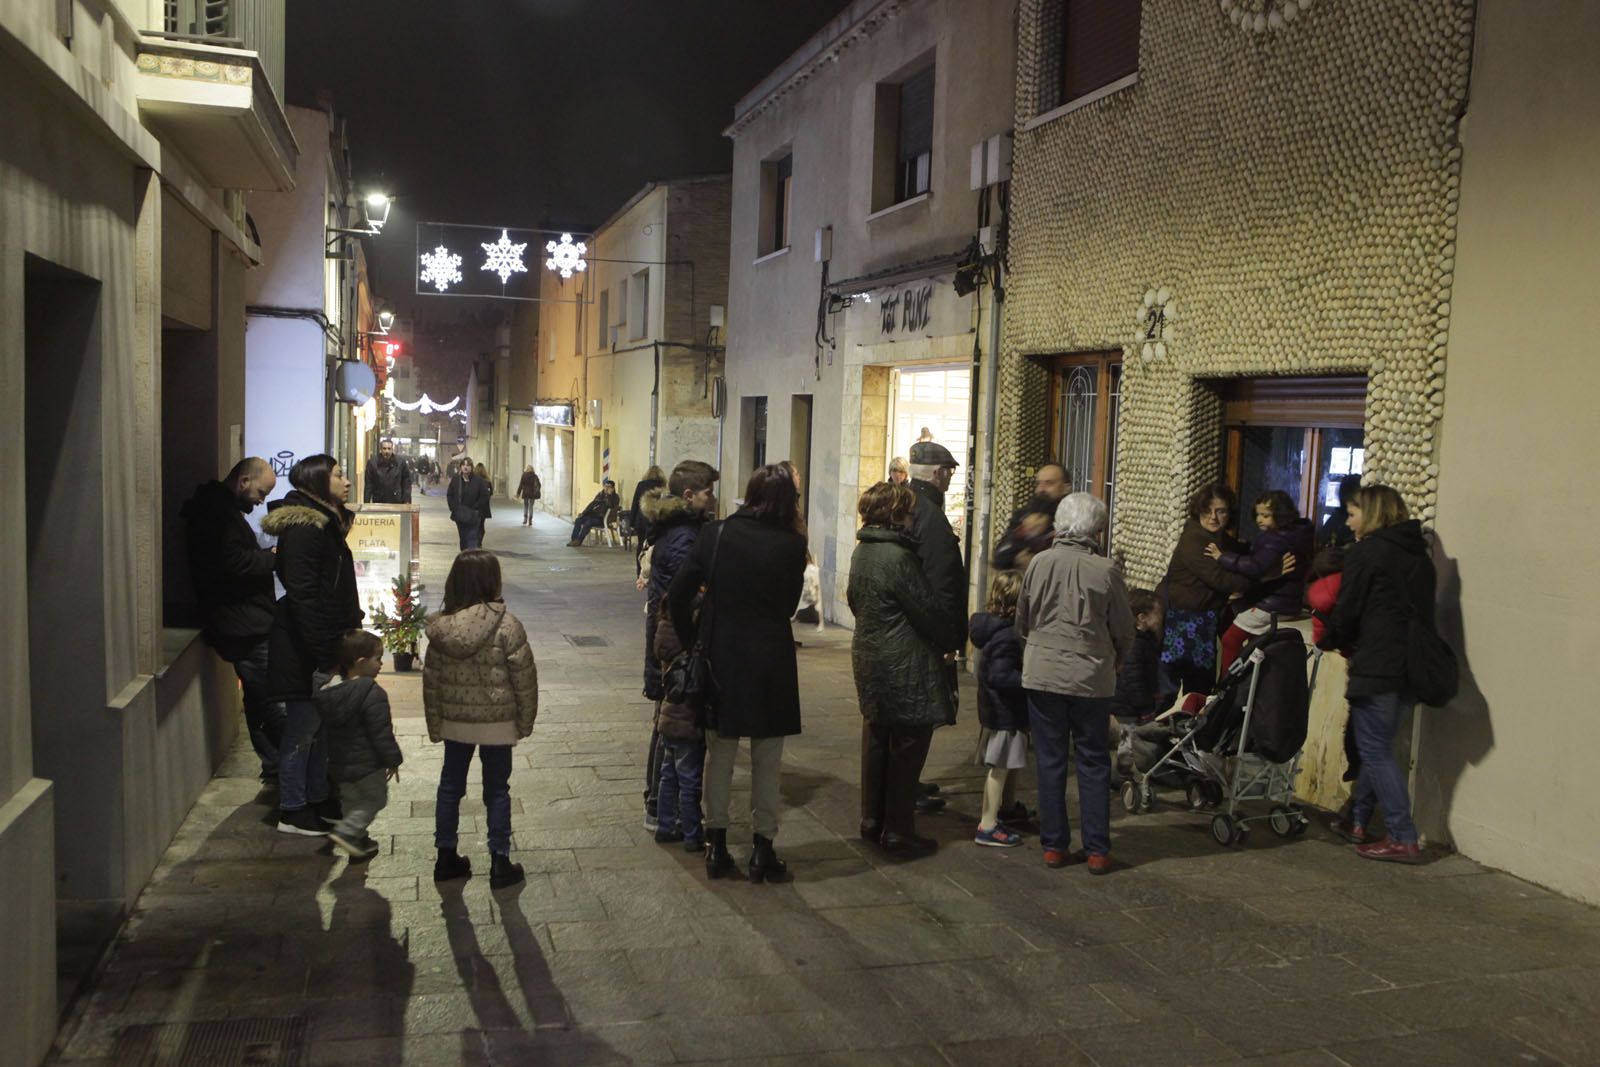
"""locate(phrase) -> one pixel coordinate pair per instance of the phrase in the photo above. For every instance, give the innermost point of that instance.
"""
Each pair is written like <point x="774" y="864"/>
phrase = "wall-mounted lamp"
<point x="374" y="214"/>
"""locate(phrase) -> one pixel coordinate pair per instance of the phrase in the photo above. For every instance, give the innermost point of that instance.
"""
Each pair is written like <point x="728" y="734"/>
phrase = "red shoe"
<point x="1392" y="851"/>
<point x="1054" y="859"/>
<point x="1193" y="703"/>
<point x="1353" y="833"/>
<point x="1100" y="864"/>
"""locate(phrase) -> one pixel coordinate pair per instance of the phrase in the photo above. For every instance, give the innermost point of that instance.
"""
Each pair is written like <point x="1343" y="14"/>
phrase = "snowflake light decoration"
<point x="565" y="256"/>
<point x="441" y="268"/>
<point x="504" y="258"/>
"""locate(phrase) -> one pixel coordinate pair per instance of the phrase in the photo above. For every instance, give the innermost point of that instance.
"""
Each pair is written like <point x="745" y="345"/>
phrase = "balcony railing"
<point x="202" y="18"/>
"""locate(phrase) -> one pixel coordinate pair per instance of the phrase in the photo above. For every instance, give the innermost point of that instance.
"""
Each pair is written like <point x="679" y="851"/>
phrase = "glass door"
<point x="1085" y="398"/>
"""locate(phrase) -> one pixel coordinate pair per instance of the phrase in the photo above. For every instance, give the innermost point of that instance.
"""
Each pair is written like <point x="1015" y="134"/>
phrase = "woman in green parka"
<point x="902" y="637"/>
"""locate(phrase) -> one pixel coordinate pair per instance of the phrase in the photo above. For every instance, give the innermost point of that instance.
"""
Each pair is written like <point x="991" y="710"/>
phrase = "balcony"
<point x="210" y="98"/>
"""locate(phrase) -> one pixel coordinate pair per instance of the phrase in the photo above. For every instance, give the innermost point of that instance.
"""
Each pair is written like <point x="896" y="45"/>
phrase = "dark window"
<point x="914" y="150"/>
<point x="1088" y="45"/>
<point x="776" y="183"/>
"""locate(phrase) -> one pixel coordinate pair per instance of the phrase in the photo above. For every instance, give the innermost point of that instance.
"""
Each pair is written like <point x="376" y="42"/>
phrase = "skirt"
<point x="1007" y="749"/>
<point x="1190" y="637"/>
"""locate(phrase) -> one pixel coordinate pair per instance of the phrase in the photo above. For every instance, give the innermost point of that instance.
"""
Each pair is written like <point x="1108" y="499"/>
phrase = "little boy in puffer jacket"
<point x="683" y="757"/>
<point x="363" y="755"/>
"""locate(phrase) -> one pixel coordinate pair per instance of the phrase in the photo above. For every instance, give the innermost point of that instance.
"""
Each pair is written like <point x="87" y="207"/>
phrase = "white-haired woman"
<point x="1073" y="615"/>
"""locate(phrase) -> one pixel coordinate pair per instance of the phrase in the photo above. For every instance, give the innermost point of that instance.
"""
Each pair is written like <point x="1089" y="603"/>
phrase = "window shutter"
<point x="916" y="116"/>
<point x="1100" y="44"/>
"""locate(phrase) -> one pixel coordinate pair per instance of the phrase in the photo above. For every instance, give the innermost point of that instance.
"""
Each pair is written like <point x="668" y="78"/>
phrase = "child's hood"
<point x="336" y="695"/>
<point x="465" y="633"/>
<point x="985" y="627"/>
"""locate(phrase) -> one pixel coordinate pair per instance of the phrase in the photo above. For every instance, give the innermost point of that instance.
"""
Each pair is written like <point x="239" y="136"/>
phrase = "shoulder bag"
<point x="689" y="678"/>
<point x="1432" y="672"/>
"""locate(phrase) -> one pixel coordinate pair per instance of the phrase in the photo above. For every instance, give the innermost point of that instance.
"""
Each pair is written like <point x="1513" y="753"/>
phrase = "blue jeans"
<point x="1376" y="720"/>
<point x="678" y="802"/>
<point x="264" y="719"/>
<point x="1084" y="721"/>
<point x="496" y="763"/>
<point x="470" y="534"/>
<point x="302" y="758"/>
<point x="581" y="528"/>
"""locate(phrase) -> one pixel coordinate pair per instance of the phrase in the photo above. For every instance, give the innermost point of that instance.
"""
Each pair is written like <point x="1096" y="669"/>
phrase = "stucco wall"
<point x="1505" y="772"/>
<point x="824" y="117"/>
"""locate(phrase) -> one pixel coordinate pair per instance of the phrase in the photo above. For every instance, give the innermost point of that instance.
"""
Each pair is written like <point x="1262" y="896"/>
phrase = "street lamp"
<point x="374" y="214"/>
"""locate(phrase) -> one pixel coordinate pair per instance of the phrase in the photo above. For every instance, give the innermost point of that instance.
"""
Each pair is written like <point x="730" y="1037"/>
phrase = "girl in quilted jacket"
<point x="480" y="690"/>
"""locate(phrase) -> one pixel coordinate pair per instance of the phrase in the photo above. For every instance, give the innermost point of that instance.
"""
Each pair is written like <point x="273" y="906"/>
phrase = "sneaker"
<point x="1099" y="864"/>
<point x="1017" y="811"/>
<point x="1391" y="851"/>
<point x="357" y="848"/>
<point x="668" y="837"/>
<point x="302" y="821"/>
<point x="930" y="805"/>
<point x="651" y="823"/>
<point x="999" y="837"/>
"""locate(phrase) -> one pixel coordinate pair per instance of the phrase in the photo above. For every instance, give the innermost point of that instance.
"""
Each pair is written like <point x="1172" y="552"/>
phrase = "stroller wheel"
<point x="1198" y="795"/>
<point x="1282" y="820"/>
<point x="1301" y="823"/>
<point x="1130" y="797"/>
<point x="1222" y="829"/>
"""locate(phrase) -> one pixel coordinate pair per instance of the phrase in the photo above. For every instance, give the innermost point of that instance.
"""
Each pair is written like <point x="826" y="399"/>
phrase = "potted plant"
<point x="402" y="630"/>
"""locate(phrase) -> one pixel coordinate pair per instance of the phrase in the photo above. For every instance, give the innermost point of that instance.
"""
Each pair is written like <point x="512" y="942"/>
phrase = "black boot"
<point x="765" y="866"/>
<point x="718" y="861"/>
<point x="451" y="865"/>
<point x="502" y="872"/>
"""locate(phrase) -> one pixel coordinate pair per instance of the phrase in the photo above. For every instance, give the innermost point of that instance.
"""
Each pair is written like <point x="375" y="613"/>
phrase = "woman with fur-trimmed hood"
<point x="319" y="603"/>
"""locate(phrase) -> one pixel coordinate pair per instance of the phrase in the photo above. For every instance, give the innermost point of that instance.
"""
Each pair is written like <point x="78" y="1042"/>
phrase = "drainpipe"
<point x="991" y="384"/>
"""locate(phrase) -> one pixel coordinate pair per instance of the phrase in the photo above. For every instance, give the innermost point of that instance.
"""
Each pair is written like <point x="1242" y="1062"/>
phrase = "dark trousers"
<point x="495" y="760"/>
<point x="470" y="534"/>
<point x="891" y="762"/>
<point x="682" y="767"/>
<point x="263" y="718"/>
<point x="1061" y="723"/>
<point x="585" y="523"/>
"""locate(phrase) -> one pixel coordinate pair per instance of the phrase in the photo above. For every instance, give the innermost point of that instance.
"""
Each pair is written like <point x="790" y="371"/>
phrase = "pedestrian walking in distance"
<point x="388" y="478"/>
<point x="363" y="756"/>
<point x="468" y="501"/>
<point x="320" y="602"/>
<point x="530" y="490"/>
<point x="480" y="692"/>
<point x="232" y="577"/>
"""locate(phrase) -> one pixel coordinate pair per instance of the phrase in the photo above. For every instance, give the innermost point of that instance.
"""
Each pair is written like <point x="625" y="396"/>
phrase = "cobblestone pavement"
<point x="250" y="946"/>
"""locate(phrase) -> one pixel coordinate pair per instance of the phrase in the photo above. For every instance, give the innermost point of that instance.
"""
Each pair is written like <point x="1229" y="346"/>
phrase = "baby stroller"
<point x="1244" y="745"/>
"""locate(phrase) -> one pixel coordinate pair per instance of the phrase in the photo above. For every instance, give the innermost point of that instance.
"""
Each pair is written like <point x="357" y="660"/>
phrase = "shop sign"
<point x="919" y="308"/>
<point x="377" y="541"/>
<point x="552" y="414"/>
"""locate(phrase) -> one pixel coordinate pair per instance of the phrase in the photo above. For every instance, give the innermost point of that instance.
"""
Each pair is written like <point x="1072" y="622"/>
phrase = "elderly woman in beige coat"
<point x="1074" y="618"/>
<point x="480" y="691"/>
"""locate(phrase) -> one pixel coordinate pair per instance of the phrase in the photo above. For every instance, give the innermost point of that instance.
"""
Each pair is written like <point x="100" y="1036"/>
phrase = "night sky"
<point x="537" y="113"/>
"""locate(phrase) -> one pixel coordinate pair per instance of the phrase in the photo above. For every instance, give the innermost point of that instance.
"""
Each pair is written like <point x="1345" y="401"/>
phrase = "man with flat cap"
<point x="932" y="467"/>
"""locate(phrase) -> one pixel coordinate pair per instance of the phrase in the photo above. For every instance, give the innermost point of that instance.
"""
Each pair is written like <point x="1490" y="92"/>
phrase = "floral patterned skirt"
<point x="1190" y="639"/>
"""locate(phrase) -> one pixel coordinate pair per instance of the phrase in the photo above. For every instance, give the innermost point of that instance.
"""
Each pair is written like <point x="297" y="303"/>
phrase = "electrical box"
<point x="824" y="247"/>
<point x="719" y="316"/>
<point x="997" y="164"/>
<point x="979" y="153"/>
<point x="986" y="240"/>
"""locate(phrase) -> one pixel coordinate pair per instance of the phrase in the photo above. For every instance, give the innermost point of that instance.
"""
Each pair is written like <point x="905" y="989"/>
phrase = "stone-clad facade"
<point x="1291" y="190"/>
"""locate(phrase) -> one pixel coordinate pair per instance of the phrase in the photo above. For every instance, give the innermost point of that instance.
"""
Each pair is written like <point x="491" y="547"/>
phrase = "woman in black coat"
<point x="320" y="602"/>
<point x="1388" y="578"/>
<point x="753" y="566"/>
<point x="468" y="499"/>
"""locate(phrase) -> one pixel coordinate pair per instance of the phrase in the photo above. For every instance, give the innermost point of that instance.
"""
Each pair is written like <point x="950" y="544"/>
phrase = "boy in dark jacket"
<point x="1140" y="695"/>
<point x="362" y="753"/>
<point x="683" y="758"/>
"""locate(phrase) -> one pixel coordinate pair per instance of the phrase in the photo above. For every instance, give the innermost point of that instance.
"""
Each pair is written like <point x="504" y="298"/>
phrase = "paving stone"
<point x="617" y="950"/>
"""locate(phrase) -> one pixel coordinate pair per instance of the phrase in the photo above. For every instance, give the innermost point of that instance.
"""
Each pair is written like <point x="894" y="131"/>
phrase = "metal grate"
<point x="587" y="640"/>
<point x="219" y="1043"/>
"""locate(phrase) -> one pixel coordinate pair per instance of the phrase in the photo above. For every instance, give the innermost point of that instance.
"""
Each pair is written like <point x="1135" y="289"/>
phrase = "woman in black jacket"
<point x="468" y="500"/>
<point x="319" y="604"/>
<point x="1388" y="579"/>
<point x="752" y="586"/>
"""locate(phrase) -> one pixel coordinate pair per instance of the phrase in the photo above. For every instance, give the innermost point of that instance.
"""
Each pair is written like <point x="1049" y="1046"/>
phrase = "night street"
<point x="617" y="950"/>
